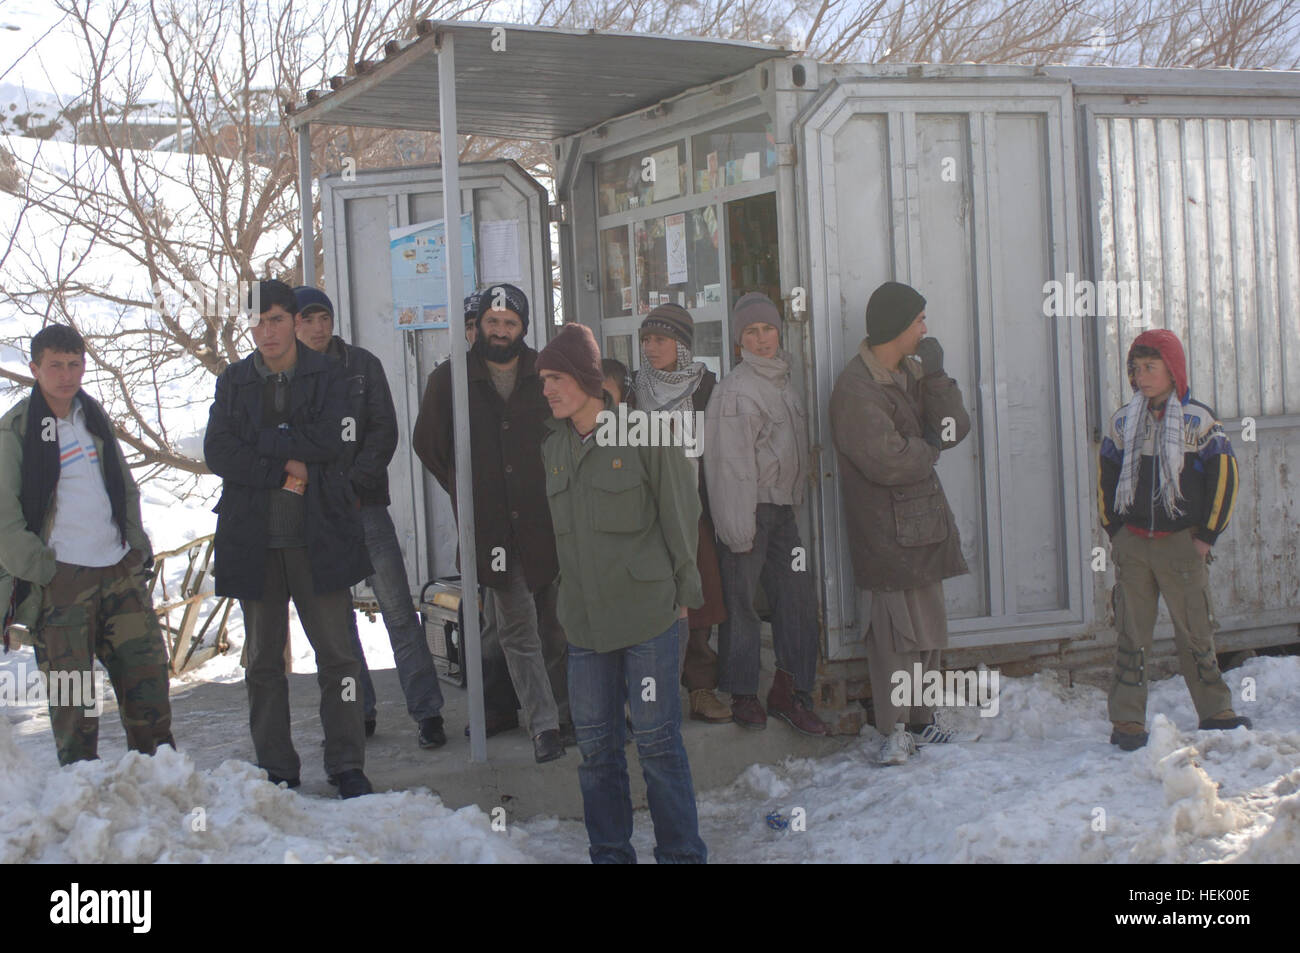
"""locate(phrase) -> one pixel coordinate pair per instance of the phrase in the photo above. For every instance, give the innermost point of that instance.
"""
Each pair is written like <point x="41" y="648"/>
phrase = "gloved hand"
<point x="930" y="353"/>
<point x="932" y="438"/>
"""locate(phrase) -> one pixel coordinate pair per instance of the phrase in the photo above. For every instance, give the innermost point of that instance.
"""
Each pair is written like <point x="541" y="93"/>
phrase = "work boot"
<point x="706" y="706"/>
<point x="547" y="746"/>
<point x="1225" y="720"/>
<point x="288" y="782"/>
<point x="432" y="734"/>
<point x="353" y="783"/>
<point x="747" y="712"/>
<point x="1128" y="735"/>
<point x="785" y="703"/>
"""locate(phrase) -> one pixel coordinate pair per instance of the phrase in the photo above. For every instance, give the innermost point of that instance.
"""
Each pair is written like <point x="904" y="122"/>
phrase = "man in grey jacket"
<point x="755" y="452"/>
<point x="891" y="414"/>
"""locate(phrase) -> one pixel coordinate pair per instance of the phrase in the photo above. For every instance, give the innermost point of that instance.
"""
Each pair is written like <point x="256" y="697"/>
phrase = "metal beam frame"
<point x="448" y="138"/>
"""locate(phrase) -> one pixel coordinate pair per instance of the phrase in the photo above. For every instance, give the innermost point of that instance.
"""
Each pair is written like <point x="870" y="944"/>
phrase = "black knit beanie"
<point x="515" y="300"/>
<point x="892" y="308"/>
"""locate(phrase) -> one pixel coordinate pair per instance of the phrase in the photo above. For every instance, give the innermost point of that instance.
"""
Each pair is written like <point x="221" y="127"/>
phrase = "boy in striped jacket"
<point x="1166" y="487"/>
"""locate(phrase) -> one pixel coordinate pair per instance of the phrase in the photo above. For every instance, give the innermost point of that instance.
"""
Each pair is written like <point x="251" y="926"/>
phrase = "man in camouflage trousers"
<point x="72" y="551"/>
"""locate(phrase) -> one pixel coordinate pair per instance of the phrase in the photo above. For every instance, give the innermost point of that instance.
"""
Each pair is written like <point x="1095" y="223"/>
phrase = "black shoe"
<point x="431" y="733"/>
<point x="370" y="727"/>
<point x="353" y="783"/>
<point x="276" y="779"/>
<point x="1128" y="740"/>
<point x="547" y="746"/>
<point x="498" y="721"/>
<point x="568" y="735"/>
<point x="1224" y="724"/>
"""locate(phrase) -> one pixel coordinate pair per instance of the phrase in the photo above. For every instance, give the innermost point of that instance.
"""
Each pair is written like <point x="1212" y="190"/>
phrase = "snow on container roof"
<point x="547" y="83"/>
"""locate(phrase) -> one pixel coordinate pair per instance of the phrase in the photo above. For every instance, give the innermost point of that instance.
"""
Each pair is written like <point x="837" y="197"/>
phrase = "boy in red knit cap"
<point x="1168" y="481"/>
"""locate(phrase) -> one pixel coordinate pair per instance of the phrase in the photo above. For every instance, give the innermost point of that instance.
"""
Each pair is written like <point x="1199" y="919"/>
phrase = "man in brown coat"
<point x="514" y="538"/>
<point x="891" y="414"/>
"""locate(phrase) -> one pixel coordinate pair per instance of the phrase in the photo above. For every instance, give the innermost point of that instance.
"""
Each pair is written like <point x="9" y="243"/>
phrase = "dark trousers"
<point x="790" y="594"/>
<point x="324" y="618"/>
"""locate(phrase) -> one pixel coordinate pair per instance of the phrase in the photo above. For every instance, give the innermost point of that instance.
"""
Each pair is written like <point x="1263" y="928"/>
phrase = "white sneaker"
<point x="898" y="747"/>
<point x="943" y="730"/>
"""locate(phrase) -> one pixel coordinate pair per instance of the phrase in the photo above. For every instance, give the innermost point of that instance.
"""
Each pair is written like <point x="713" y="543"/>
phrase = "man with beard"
<point x="514" y="539"/>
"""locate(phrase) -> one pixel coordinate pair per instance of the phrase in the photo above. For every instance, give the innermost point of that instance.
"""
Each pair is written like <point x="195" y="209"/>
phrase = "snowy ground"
<point x="1042" y="785"/>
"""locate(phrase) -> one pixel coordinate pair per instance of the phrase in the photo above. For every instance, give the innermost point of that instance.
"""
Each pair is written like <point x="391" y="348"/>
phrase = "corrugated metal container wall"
<point x="1203" y="212"/>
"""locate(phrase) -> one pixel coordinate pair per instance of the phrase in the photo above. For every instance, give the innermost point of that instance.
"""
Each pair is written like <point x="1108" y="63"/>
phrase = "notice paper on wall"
<point x="667" y="183"/>
<point x="675" y="235"/>
<point x="499" y="250"/>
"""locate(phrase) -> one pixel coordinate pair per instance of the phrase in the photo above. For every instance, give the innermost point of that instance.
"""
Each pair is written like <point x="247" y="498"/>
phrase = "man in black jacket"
<point x="512" y="523"/>
<point x="288" y="527"/>
<point x="366" y="455"/>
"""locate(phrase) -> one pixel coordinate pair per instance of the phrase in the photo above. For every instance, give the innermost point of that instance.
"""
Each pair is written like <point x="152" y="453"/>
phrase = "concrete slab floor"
<point x="210" y="723"/>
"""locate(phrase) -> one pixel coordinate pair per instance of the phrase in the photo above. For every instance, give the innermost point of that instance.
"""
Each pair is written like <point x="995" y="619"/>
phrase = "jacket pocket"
<point x="920" y="516"/>
<point x="619" y="506"/>
<point x="559" y="501"/>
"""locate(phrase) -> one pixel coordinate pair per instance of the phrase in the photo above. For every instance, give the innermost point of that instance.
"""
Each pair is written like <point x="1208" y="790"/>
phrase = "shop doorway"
<point x="752" y="252"/>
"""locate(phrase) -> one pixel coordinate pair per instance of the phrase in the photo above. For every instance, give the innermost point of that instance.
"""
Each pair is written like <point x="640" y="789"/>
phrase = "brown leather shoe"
<point x="785" y="703"/>
<point x="706" y="706"/>
<point x="747" y="712"/>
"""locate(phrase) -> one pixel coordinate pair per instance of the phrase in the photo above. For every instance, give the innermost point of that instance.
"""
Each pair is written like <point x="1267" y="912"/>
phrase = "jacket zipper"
<point x="1155" y="472"/>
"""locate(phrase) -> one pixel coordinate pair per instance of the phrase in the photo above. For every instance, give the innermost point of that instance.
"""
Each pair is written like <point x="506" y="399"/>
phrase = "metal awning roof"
<point x="546" y="84"/>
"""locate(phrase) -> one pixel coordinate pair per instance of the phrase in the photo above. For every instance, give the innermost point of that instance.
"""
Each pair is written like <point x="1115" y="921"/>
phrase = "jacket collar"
<point x="879" y="373"/>
<point x="309" y="362"/>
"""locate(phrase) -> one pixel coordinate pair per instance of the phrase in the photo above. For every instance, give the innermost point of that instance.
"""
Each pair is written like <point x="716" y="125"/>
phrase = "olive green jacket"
<point x="626" y="529"/>
<point x="23" y="554"/>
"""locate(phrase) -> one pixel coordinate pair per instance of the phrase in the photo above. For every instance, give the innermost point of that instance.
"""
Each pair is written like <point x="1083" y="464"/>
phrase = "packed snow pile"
<point x="137" y="809"/>
<point x="1042" y="784"/>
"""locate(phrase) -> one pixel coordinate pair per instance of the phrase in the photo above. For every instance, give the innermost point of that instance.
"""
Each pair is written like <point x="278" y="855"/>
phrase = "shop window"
<point x="641" y="179"/>
<point x="742" y="152"/>
<point x="753" y="247"/>
<point x="616" y="286"/>
<point x="677" y="260"/>
<point x="619" y="347"/>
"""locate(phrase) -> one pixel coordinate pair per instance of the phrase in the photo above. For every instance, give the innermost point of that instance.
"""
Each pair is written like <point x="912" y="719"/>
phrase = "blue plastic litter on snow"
<point x="776" y="822"/>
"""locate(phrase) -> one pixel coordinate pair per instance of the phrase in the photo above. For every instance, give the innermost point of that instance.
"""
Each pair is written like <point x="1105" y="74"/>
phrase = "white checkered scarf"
<point x="669" y="390"/>
<point x="1169" y="454"/>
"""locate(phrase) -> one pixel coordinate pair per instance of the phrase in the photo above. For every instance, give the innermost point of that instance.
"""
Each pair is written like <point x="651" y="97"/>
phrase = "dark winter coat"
<point x="250" y="460"/>
<point x="365" y="459"/>
<point x="510" y="508"/>
<point x="902" y="534"/>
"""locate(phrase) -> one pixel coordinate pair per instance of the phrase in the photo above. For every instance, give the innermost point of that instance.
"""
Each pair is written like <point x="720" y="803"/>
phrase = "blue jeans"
<point x="790" y="594"/>
<point x="600" y="683"/>
<point x="410" y="648"/>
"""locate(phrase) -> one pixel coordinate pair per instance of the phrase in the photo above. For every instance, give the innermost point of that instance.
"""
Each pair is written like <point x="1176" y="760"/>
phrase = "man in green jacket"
<point x="71" y="546"/>
<point x="626" y="527"/>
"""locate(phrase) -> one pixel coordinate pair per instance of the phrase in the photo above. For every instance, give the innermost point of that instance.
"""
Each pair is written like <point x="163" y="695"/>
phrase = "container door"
<point x="966" y="193"/>
<point x="512" y="243"/>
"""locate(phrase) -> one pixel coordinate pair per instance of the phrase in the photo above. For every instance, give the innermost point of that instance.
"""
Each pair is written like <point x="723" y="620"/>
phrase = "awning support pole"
<point x="460" y="394"/>
<point x="304" y="200"/>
